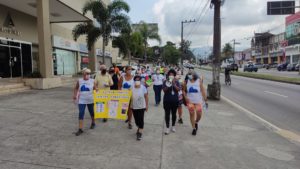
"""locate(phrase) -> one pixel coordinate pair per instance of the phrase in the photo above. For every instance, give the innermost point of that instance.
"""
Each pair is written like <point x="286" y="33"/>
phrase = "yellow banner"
<point x="111" y="104"/>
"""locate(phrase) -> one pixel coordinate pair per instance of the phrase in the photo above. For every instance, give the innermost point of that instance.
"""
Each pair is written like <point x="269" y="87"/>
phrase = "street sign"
<point x="281" y="7"/>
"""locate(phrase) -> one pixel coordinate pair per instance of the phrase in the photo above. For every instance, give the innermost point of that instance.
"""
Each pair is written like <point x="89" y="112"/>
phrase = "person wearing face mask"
<point x="139" y="105"/>
<point x="157" y="86"/>
<point x="115" y="77"/>
<point x="171" y="88"/>
<point x="83" y="95"/>
<point x="103" y="81"/>
<point x="195" y="95"/>
<point x="126" y="83"/>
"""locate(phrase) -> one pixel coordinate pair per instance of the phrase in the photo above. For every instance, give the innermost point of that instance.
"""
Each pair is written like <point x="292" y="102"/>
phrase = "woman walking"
<point x="126" y="83"/>
<point x="139" y="105"/>
<point x="83" y="92"/>
<point x="157" y="86"/>
<point x="171" y="88"/>
<point x="194" y="93"/>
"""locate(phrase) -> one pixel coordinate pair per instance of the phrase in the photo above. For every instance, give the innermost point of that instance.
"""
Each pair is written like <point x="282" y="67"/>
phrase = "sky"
<point x="240" y="19"/>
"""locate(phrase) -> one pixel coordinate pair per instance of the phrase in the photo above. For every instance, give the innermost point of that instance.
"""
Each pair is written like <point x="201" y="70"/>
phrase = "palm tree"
<point x="110" y="18"/>
<point x="148" y="33"/>
<point x="129" y="43"/>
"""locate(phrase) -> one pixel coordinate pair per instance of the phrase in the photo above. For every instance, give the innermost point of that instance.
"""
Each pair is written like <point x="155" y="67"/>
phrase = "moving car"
<point x="250" y="68"/>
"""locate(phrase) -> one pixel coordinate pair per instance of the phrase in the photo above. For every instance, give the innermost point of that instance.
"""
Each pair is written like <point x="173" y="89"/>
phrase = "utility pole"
<point x="182" y="45"/>
<point x="234" y="43"/>
<point x="214" y="89"/>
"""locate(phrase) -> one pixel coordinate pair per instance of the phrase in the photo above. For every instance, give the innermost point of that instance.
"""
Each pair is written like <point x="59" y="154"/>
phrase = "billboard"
<point x="281" y="7"/>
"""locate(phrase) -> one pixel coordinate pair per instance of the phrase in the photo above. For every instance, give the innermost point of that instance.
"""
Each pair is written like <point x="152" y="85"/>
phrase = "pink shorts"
<point x="192" y="107"/>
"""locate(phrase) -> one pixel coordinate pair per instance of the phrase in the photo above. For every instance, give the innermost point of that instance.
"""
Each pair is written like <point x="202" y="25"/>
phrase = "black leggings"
<point x="139" y="117"/>
<point x="170" y="108"/>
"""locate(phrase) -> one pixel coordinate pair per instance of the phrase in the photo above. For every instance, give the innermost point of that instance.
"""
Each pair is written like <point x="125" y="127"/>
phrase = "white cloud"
<point x="240" y="19"/>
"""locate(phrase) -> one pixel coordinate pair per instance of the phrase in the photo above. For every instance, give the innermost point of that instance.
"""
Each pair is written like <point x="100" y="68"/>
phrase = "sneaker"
<point x="139" y="136"/>
<point x="92" y="126"/>
<point x="196" y="126"/>
<point x="129" y="126"/>
<point x="104" y="120"/>
<point x="80" y="131"/>
<point x="126" y="121"/>
<point x="173" y="129"/>
<point x="194" y="132"/>
<point x="167" y="131"/>
<point x="180" y="121"/>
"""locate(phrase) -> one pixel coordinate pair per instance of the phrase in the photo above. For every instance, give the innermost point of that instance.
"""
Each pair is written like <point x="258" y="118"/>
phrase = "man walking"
<point x="103" y="81"/>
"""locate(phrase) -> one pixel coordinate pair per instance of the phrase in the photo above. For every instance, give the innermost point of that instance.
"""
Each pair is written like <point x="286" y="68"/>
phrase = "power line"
<point x="202" y="14"/>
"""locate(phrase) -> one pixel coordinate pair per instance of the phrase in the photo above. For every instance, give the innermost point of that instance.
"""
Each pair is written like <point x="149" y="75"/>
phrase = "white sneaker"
<point x="167" y="131"/>
<point x="173" y="129"/>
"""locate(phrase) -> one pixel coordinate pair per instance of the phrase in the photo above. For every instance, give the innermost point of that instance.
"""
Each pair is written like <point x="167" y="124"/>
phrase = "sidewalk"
<point x="36" y="132"/>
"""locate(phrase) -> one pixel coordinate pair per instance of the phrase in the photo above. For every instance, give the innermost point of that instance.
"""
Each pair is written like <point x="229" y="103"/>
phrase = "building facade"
<point x="268" y="48"/>
<point x="36" y="36"/>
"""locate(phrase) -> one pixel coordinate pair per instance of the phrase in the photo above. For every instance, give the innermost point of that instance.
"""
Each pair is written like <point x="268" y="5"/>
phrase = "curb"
<point x="282" y="132"/>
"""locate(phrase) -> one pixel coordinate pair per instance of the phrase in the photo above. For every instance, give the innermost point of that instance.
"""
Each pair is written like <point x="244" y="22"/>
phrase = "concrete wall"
<point x="24" y="23"/>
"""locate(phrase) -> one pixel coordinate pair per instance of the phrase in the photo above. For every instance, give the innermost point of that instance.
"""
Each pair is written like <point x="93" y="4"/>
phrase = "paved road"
<point x="278" y="103"/>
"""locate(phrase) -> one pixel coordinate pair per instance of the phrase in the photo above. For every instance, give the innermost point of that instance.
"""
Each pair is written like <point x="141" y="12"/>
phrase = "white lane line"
<point x="276" y="94"/>
<point x="282" y="132"/>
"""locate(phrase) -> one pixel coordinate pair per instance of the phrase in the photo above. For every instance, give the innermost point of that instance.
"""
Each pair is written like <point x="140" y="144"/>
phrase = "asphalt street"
<point x="278" y="103"/>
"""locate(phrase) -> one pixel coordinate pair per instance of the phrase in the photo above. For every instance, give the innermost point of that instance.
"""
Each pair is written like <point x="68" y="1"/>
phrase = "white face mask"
<point x="171" y="78"/>
<point x="137" y="83"/>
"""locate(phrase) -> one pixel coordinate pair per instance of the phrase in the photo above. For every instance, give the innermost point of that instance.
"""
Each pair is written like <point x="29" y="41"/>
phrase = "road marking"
<point x="282" y="132"/>
<point x="276" y="94"/>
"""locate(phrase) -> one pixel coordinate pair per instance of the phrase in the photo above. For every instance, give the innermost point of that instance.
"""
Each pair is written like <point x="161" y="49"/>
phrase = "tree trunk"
<point x="145" y="53"/>
<point x="103" y="51"/>
<point x="129" y="57"/>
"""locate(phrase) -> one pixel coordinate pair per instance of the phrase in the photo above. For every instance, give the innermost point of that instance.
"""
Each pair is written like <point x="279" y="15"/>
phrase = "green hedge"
<point x="264" y="76"/>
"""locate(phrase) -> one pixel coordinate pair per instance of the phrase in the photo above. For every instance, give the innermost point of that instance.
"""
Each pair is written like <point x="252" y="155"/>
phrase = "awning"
<point x="59" y="11"/>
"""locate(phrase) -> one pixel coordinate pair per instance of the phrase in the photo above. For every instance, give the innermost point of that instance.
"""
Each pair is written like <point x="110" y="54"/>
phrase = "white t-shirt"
<point x="86" y="91"/>
<point x="138" y="97"/>
<point x="158" y="79"/>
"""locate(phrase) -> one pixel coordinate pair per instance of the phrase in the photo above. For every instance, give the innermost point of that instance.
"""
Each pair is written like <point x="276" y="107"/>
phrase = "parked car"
<point x="233" y="67"/>
<point x="259" y="65"/>
<point x="282" y="67"/>
<point x="250" y="68"/>
<point x="271" y="65"/>
<point x="297" y="67"/>
<point x="291" y="67"/>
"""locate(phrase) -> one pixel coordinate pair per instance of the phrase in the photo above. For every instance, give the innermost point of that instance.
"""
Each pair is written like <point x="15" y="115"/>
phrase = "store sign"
<point x="83" y="48"/>
<point x="63" y="43"/>
<point x="100" y="53"/>
<point x="85" y="60"/>
<point x="9" y="26"/>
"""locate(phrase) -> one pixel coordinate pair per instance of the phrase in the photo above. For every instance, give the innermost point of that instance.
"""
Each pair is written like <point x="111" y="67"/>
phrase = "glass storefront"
<point x="15" y="58"/>
<point x="65" y="62"/>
